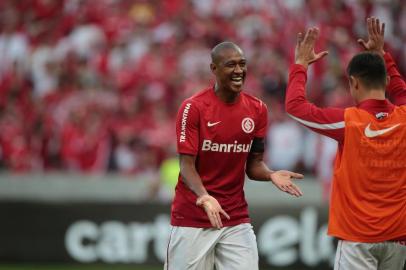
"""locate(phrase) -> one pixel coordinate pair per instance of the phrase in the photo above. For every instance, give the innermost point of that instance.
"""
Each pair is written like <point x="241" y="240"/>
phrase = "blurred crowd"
<point x="94" y="86"/>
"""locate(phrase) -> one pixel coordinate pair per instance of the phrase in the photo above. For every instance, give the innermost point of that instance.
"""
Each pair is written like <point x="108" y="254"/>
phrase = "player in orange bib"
<point x="368" y="199"/>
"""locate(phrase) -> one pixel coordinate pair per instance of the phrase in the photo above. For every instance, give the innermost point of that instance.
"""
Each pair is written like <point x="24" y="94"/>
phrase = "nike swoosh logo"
<point x="373" y="133"/>
<point x="212" y="124"/>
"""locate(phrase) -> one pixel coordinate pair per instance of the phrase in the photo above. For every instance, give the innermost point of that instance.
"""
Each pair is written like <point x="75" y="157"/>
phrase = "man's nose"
<point x="238" y="69"/>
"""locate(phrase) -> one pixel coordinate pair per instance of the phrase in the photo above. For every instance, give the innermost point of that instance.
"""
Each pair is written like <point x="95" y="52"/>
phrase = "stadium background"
<point x="88" y="95"/>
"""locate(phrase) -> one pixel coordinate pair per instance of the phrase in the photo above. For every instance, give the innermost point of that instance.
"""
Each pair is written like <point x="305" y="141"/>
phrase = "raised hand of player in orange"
<point x="283" y="180"/>
<point x="376" y="32"/>
<point x="304" y="51"/>
<point x="213" y="210"/>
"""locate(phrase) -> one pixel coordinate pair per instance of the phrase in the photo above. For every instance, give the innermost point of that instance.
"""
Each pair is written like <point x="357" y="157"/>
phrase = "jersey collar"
<point x="375" y="106"/>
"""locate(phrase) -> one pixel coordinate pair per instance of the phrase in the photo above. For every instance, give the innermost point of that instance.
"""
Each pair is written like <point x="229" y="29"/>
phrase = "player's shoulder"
<point x="353" y="112"/>
<point x="253" y="101"/>
<point x="202" y="95"/>
<point x="199" y="97"/>
<point x="401" y="108"/>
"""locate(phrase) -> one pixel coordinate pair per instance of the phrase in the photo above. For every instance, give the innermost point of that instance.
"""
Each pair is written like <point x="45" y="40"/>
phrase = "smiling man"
<point x="220" y="137"/>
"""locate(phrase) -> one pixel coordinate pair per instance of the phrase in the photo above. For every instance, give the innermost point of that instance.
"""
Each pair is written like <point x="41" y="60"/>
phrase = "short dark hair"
<point x="219" y="48"/>
<point x="369" y="68"/>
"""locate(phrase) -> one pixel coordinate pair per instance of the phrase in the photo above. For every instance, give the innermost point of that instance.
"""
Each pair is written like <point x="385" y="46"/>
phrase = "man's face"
<point x="230" y="70"/>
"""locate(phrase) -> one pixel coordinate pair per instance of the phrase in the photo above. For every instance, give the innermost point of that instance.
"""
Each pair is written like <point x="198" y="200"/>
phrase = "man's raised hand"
<point x="376" y="33"/>
<point x="304" y="51"/>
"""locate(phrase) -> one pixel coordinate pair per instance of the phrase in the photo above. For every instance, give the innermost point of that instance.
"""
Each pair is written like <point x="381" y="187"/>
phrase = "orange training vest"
<point x="368" y="199"/>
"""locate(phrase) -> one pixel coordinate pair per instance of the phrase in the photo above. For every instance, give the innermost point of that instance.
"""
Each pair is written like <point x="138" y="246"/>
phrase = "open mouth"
<point x="237" y="81"/>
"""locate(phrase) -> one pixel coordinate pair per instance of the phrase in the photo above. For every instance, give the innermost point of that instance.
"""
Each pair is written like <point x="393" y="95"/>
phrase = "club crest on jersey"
<point x="247" y="125"/>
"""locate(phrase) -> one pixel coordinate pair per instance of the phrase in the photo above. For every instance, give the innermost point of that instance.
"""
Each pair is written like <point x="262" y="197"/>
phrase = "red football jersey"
<point x="220" y="135"/>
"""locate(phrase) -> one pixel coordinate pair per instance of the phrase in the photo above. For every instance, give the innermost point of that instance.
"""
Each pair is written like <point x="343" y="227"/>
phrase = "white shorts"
<point x="230" y="248"/>
<point x="372" y="256"/>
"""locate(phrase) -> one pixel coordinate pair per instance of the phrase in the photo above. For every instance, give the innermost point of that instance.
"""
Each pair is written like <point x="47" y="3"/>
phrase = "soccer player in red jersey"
<point x="368" y="198"/>
<point x="220" y="137"/>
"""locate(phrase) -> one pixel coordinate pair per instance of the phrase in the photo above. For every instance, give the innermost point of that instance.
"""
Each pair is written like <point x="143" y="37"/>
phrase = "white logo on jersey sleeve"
<point x="185" y="114"/>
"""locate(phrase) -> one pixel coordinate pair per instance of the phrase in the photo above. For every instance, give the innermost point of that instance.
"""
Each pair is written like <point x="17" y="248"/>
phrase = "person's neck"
<point x="225" y="95"/>
<point x="377" y="94"/>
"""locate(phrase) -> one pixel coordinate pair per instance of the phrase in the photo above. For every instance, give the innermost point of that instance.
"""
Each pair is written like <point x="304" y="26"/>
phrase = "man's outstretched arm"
<point x="397" y="86"/>
<point x="194" y="182"/>
<point x="326" y="121"/>
<point x="187" y="149"/>
<point x="256" y="169"/>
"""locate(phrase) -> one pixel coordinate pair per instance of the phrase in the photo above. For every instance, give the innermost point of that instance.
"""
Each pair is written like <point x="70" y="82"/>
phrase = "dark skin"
<point x="229" y="67"/>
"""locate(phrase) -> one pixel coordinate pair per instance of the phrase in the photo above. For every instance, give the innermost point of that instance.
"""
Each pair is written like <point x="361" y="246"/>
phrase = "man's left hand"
<point x="304" y="51"/>
<point x="283" y="180"/>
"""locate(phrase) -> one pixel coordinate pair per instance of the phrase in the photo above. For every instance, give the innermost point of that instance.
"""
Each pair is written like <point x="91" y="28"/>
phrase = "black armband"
<point x="258" y="145"/>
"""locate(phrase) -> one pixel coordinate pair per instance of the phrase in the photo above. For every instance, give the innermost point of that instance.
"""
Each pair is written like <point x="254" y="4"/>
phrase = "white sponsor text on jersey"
<point x="235" y="147"/>
<point x="182" y="137"/>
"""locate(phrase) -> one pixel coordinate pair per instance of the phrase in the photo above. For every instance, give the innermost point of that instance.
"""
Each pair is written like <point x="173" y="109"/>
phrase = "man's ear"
<point x="354" y="82"/>
<point x="387" y="80"/>
<point x="213" y="67"/>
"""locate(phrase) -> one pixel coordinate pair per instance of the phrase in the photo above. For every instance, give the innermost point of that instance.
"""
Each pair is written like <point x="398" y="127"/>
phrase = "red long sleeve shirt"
<point x="330" y="121"/>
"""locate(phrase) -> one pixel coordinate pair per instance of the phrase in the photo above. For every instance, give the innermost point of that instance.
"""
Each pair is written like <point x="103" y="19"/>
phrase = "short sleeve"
<point x="262" y="122"/>
<point x="187" y="128"/>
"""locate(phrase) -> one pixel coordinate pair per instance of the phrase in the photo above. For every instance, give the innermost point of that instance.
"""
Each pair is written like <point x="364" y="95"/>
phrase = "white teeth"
<point x="239" y="82"/>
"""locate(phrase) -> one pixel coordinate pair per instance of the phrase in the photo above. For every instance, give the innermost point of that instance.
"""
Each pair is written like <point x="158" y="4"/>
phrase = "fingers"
<point x="297" y="190"/>
<point x="212" y="220"/>
<point x="282" y="179"/>
<point x="321" y="54"/>
<point x="218" y="220"/>
<point x="215" y="220"/>
<point x="213" y="211"/>
<point x="306" y="37"/>
<point x="370" y="27"/>
<point x="318" y="56"/>
<point x="311" y="35"/>
<point x="291" y="189"/>
<point x="299" y="38"/>
<point x="375" y="27"/>
<point x="304" y="51"/>
<point x="362" y="43"/>
<point x="224" y="214"/>
<point x="383" y="29"/>
<point x="306" y="42"/>
<point x="297" y="175"/>
<point x="294" y="175"/>
<point x="310" y="40"/>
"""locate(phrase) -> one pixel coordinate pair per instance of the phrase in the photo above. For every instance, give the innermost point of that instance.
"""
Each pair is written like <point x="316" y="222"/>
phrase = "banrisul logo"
<point x="185" y="114"/>
<point x="247" y="125"/>
<point x="235" y="147"/>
